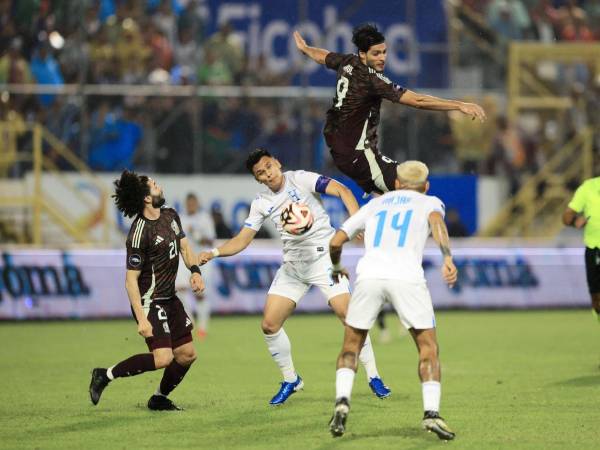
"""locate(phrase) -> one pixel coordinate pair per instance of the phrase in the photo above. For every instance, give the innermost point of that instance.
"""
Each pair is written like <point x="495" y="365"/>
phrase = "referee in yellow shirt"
<point x="584" y="212"/>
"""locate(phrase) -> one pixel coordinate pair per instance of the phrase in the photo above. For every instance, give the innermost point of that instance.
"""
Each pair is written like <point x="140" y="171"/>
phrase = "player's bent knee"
<point x="163" y="360"/>
<point x="187" y="359"/>
<point x="269" y="327"/>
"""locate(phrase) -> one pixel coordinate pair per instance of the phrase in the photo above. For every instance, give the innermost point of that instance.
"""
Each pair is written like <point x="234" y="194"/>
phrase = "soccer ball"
<point x="296" y="218"/>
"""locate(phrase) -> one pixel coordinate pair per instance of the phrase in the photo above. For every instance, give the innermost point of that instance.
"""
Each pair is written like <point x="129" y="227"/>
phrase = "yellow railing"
<point x="40" y="202"/>
<point x="535" y="210"/>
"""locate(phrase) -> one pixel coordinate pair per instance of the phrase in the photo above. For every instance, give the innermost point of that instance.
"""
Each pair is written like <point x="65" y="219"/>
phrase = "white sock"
<point x="344" y="379"/>
<point x="367" y="359"/>
<point x="281" y="351"/>
<point x="432" y="391"/>
<point x="159" y="393"/>
<point x="202" y="314"/>
<point x="109" y="373"/>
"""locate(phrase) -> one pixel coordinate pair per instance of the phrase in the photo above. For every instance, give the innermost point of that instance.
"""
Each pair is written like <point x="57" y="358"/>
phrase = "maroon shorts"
<point x="371" y="170"/>
<point x="171" y="326"/>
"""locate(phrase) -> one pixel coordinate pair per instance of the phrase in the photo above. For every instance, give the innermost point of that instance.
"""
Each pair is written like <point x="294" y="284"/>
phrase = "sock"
<point x="281" y="351"/>
<point x="172" y="376"/>
<point x="432" y="391"/>
<point x="202" y="314"/>
<point x="367" y="359"/>
<point x="144" y="362"/>
<point x="344" y="379"/>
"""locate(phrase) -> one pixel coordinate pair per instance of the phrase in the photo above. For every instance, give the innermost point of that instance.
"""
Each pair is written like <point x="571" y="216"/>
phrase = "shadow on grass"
<point x="420" y="439"/>
<point x="585" y="381"/>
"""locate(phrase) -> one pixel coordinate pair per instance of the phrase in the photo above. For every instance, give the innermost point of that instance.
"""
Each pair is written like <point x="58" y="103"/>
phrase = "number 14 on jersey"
<point x="397" y="223"/>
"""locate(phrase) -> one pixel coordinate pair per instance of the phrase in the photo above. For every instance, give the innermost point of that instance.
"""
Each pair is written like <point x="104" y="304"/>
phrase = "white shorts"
<point x="294" y="279"/>
<point x="411" y="301"/>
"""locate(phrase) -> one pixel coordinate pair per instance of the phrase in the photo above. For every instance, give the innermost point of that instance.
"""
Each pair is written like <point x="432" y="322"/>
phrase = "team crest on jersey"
<point x="294" y="195"/>
<point x="174" y="226"/>
<point x="348" y="69"/>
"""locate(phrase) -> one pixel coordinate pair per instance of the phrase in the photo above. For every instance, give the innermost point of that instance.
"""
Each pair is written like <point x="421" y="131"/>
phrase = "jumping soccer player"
<point x="305" y="260"/>
<point x="396" y="226"/>
<point x="351" y="125"/>
<point x="154" y="243"/>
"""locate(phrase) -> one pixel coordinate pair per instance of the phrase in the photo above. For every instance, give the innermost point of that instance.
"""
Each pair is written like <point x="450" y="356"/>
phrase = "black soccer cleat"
<point x="433" y="423"/>
<point x="99" y="381"/>
<point x="337" y="424"/>
<point x="162" y="403"/>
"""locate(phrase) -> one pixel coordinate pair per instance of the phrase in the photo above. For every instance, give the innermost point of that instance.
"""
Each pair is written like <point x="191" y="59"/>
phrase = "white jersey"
<point x="303" y="187"/>
<point x="396" y="228"/>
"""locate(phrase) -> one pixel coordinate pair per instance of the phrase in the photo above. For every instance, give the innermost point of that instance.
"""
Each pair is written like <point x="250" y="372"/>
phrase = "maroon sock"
<point x="172" y="376"/>
<point x="134" y="365"/>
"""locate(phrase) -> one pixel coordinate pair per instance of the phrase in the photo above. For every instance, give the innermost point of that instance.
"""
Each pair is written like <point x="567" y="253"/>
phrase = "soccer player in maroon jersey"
<point x="154" y="243"/>
<point x="351" y="125"/>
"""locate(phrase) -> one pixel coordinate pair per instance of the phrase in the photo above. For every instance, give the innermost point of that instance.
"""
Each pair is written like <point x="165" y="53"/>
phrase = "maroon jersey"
<point x="153" y="248"/>
<point x="353" y="119"/>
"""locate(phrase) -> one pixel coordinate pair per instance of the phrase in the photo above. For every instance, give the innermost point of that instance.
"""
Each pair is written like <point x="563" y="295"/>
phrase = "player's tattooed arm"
<point x="440" y="235"/>
<point x="339" y="190"/>
<point x="316" y="54"/>
<point x="335" y="253"/>
<point x="232" y="247"/>
<point x="135" y="298"/>
<point x="423" y="101"/>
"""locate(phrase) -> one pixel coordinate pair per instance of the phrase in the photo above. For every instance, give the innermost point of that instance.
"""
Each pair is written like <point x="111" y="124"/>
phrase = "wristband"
<point x="195" y="269"/>
<point x="215" y="252"/>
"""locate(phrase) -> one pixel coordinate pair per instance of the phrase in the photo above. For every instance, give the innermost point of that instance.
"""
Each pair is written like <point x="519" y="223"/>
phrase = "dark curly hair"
<point x="130" y="191"/>
<point x="254" y="157"/>
<point x="367" y="35"/>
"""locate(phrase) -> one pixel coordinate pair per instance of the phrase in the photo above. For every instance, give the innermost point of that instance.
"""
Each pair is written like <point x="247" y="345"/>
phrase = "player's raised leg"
<point x="339" y="304"/>
<point x="277" y="309"/>
<point x="347" y="363"/>
<point x="430" y="375"/>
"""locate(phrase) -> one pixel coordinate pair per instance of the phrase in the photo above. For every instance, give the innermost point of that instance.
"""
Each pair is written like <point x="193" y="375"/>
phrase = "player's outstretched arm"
<point x="135" y="298"/>
<point x="423" y="101"/>
<point x="339" y="190"/>
<point x="440" y="235"/>
<point x="314" y="53"/>
<point x="335" y="252"/>
<point x="232" y="247"/>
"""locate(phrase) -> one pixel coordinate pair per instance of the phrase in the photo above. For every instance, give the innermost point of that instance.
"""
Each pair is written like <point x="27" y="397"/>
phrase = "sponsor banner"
<point x="39" y="284"/>
<point x="416" y="35"/>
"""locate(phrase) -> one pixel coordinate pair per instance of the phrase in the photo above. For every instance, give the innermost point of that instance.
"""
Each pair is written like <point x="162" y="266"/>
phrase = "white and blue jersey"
<point x="396" y="227"/>
<point x="301" y="187"/>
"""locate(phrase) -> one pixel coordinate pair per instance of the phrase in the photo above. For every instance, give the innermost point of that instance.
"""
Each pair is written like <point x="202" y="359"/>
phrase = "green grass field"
<point x="510" y="380"/>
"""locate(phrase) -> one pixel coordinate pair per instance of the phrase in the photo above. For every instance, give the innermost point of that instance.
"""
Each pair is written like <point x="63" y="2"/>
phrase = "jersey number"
<point x="172" y="249"/>
<point x="341" y="90"/>
<point x="395" y="224"/>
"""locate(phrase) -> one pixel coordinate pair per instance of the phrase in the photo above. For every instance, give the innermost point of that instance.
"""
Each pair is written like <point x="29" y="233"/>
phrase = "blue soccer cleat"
<point x="286" y="390"/>
<point x="378" y="388"/>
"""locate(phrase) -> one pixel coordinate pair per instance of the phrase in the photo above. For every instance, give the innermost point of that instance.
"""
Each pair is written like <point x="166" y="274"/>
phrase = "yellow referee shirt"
<point x="586" y="201"/>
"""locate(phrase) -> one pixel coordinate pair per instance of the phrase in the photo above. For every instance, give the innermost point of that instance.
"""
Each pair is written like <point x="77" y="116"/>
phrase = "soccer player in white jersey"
<point x="306" y="261"/>
<point x="396" y="226"/>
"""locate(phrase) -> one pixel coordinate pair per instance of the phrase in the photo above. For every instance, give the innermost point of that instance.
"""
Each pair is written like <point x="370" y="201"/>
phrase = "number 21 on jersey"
<point x="397" y="224"/>
<point x="341" y="90"/>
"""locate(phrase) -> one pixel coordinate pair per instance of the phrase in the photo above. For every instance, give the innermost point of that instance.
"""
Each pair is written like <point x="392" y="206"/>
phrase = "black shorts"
<point x="592" y="269"/>
<point x="371" y="170"/>
<point x="171" y="326"/>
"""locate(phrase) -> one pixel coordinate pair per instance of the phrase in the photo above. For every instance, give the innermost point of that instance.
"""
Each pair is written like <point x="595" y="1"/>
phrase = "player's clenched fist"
<point x="144" y="328"/>
<point x="449" y="272"/>
<point x="197" y="283"/>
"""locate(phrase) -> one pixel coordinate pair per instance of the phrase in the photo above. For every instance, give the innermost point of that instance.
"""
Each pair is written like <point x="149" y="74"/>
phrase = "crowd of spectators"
<point x="161" y="42"/>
